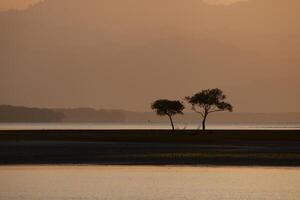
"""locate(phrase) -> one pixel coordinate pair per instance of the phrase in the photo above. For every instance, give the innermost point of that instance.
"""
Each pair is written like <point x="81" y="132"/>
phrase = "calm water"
<point x="39" y="126"/>
<point x="148" y="183"/>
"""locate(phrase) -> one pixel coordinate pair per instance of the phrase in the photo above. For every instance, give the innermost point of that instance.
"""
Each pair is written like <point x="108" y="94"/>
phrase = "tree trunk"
<point x="204" y="123"/>
<point x="171" y="120"/>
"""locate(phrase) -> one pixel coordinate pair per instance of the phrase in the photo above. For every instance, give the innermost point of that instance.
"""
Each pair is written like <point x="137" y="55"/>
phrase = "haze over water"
<point x="142" y="126"/>
<point x="148" y="183"/>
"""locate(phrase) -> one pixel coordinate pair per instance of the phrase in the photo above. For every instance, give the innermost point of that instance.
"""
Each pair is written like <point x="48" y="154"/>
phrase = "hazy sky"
<point x="22" y="4"/>
<point x="124" y="54"/>
<point x="16" y="4"/>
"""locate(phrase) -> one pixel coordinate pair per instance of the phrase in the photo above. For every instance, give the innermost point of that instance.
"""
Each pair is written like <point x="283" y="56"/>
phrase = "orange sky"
<point x="21" y="4"/>
<point x="125" y="54"/>
<point x="16" y="4"/>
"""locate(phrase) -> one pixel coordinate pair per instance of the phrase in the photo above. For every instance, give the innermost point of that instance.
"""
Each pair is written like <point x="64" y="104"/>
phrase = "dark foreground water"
<point x="148" y="183"/>
<point x="124" y="126"/>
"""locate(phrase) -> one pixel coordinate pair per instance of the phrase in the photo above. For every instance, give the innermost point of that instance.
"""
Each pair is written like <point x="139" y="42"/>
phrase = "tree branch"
<point x="215" y="111"/>
<point x="201" y="113"/>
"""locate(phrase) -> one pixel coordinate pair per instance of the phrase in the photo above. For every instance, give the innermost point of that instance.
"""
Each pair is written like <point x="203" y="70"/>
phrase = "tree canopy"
<point x="209" y="101"/>
<point x="167" y="107"/>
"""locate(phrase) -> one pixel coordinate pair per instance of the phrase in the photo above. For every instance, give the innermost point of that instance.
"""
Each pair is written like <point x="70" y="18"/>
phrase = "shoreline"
<point x="279" y="148"/>
<point x="161" y="136"/>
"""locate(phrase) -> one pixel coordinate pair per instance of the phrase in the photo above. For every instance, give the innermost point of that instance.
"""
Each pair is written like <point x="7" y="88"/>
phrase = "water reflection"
<point x="148" y="183"/>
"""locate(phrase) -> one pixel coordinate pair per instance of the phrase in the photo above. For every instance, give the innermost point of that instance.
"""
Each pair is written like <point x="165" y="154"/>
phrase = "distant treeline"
<point x="24" y="114"/>
<point x="81" y="115"/>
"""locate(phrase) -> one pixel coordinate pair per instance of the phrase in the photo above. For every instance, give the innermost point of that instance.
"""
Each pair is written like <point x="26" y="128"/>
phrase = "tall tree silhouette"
<point x="164" y="107"/>
<point x="209" y="101"/>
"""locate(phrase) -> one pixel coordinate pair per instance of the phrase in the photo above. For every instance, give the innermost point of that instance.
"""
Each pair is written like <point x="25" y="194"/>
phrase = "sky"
<point x="117" y="54"/>
<point x="16" y="4"/>
<point x="23" y="4"/>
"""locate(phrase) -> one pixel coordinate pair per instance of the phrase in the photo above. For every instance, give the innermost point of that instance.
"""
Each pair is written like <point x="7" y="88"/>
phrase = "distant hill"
<point x="23" y="114"/>
<point x="77" y="115"/>
<point x="90" y="115"/>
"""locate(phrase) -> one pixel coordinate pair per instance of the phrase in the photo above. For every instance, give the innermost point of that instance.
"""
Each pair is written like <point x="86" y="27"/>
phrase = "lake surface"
<point x="148" y="183"/>
<point x="124" y="126"/>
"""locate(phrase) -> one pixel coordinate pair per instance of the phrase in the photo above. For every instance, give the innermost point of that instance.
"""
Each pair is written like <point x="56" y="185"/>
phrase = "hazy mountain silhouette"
<point x="69" y="53"/>
<point x="24" y="114"/>
<point x="90" y="115"/>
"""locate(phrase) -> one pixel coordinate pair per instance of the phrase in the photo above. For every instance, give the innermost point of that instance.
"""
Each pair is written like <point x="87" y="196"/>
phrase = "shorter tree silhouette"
<point x="209" y="101"/>
<point x="164" y="107"/>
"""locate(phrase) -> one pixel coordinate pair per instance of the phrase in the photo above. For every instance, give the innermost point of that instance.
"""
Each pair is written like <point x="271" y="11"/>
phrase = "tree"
<point x="209" y="101"/>
<point x="167" y="107"/>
